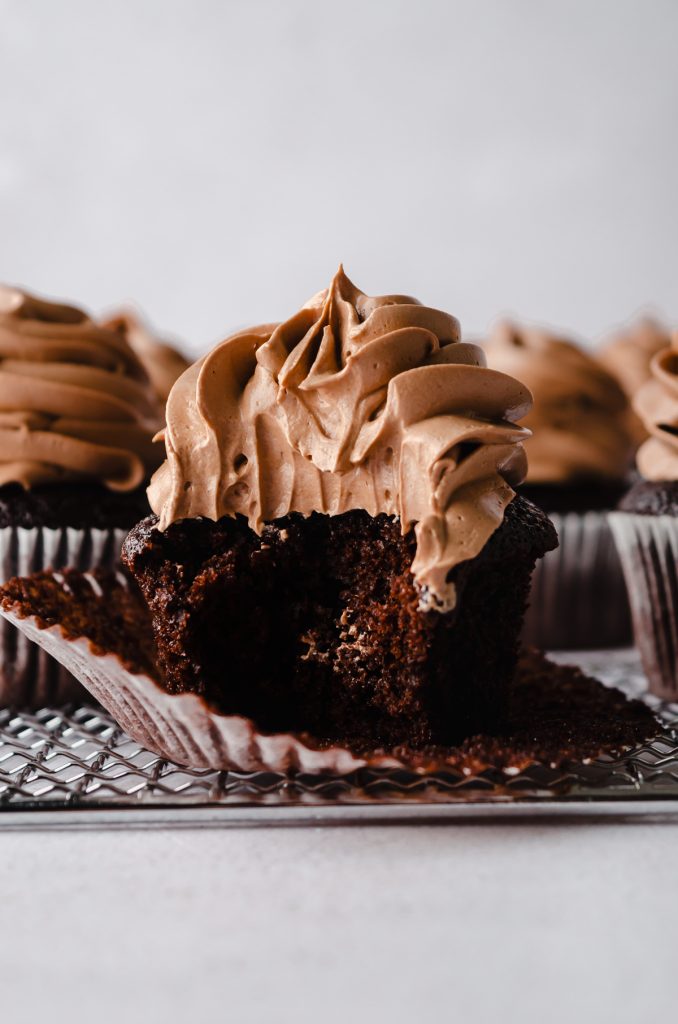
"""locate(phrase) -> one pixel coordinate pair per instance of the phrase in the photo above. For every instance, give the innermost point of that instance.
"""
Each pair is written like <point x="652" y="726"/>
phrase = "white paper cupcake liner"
<point x="578" y="598"/>
<point x="28" y="676"/>
<point x="182" y="727"/>
<point x="648" y="549"/>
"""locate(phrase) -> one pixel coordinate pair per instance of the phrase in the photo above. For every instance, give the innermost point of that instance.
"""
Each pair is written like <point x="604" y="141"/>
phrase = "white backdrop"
<point x="215" y="160"/>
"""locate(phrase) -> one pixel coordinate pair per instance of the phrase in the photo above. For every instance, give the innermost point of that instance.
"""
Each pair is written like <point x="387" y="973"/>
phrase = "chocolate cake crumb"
<point x="96" y="605"/>
<point x="557" y="716"/>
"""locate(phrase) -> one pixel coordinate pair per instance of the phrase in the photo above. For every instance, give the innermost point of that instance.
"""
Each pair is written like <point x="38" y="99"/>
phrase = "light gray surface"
<point x="481" y="923"/>
<point x="216" y="160"/>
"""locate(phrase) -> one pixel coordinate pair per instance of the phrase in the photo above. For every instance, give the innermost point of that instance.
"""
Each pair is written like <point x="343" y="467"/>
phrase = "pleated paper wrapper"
<point x="182" y="727"/>
<point x="28" y="676"/>
<point x="578" y="598"/>
<point x="648" y="549"/>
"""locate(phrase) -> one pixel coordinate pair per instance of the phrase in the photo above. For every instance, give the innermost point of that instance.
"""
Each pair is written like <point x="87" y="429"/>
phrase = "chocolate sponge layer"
<point x="315" y="625"/>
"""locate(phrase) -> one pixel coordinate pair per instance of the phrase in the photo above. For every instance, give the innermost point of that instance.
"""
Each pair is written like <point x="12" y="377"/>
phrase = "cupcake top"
<point x="353" y="403"/>
<point x="656" y="403"/>
<point x="163" y="362"/>
<point x="75" y="402"/>
<point x="580" y="418"/>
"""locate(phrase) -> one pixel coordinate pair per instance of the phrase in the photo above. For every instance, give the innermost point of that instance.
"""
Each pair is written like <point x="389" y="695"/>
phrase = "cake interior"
<point x="315" y="625"/>
<point x="557" y="715"/>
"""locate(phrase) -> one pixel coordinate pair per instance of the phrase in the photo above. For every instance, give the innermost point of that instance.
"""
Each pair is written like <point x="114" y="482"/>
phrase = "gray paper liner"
<point x="648" y="549"/>
<point x="182" y="727"/>
<point x="28" y="676"/>
<point x="578" y="598"/>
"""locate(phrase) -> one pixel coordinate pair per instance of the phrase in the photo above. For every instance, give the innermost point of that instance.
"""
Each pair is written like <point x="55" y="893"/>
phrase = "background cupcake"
<point x="579" y="457"/>
<point x="77" y="418"/>
<point x="646" y="527"/>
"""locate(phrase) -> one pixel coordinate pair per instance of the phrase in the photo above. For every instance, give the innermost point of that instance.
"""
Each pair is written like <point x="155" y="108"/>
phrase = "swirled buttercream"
<point x="352" y="403"/>
<point x="75" y="403"/>
<point x="162" y="362"/>
<point x="580" y="417"/>
<point x="628" y="355"/>
<point x="656" y="403"/>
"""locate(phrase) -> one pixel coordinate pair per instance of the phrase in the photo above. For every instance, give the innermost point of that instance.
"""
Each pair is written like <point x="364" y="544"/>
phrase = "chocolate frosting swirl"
<point x="656" y="403"/>
<point x="627" y="355"/>
<point x="75" y="403"/>
<point x="580" y="417"/>
<point x="162" y="362"/>
<point x="352" y="403"/>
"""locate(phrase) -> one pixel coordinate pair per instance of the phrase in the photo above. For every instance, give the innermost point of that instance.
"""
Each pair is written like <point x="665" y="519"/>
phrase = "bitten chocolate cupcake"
<point x="646" y="527"/>
<point x="337" y="547"/>
<point x="77" y="418"/>
<point x="161" y="360"/>
<point x="579" y="457"/>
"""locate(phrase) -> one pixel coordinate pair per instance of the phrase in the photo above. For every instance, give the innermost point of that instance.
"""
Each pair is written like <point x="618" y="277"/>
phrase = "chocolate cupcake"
<point x="579" y="457"/>
<point x="161" y="360"/>
<point x="646" y="527"/>
<point x="337" y="547"/>
<point x="77" y="418"/>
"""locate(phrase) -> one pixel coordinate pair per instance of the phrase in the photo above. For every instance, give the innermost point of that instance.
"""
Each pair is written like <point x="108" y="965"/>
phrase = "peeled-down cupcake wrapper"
<point x="98" y="626"/>
<point x="578" y="597"/>
<point x="648" y="549"/>
<point x="28" y="676"/>
<point x="179" y="727"/>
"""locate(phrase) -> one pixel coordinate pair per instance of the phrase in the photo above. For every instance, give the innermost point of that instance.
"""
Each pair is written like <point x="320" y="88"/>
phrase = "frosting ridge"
<point x="628" y="354"/>
<point x="352" y="403"/>
<point x="580" y="418"/>
<point x="656" y="403"/>
<point x="75" y="402"/>
<point x="162" y="361"/>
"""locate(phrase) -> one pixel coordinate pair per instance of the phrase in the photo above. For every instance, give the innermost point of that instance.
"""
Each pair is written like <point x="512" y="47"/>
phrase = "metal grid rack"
<point x="57" y="763"/>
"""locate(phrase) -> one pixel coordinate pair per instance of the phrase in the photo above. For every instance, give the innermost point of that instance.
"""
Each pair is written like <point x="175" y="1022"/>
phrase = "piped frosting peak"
<point x="353" y="403"/>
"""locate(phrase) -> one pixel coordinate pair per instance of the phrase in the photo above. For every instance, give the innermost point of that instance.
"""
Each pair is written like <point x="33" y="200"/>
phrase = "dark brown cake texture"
<point x="79" y="505"/>
<point x="651" y="498"/>
<point x="315" y="626"/>
<point x="557" y="716"/>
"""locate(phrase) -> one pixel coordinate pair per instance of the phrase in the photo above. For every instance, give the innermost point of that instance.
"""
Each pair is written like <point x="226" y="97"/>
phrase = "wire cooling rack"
<point x="73" y="766"/>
